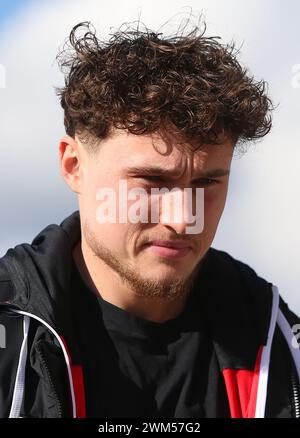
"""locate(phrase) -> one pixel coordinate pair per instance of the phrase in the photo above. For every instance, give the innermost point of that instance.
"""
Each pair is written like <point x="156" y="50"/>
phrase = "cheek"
<point x="214" y="203"/>
<point x="92" y="197"/>
<point x="112" y="235"/>
<point x="89" y="194"/>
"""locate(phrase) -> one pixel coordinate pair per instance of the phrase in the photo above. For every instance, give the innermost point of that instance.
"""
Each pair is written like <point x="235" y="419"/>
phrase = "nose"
<point x="175" y="210"/>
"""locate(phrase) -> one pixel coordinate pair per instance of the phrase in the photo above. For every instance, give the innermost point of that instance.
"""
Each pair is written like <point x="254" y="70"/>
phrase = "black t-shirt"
<point x="137" y="368"/>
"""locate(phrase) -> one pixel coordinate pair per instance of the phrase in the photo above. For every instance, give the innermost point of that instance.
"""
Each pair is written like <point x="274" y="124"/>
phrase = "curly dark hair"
<point x="189" y="86"/>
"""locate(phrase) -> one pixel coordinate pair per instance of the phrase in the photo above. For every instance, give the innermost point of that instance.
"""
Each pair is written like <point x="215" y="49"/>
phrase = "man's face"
<point x="126" y="247"/>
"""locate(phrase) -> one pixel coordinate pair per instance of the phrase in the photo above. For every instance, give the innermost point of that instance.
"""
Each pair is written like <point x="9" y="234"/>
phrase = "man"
<point x="113" y="313"/>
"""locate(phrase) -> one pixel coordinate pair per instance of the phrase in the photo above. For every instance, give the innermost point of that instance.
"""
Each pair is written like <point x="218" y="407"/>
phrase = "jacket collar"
<point x="238" y="304"/>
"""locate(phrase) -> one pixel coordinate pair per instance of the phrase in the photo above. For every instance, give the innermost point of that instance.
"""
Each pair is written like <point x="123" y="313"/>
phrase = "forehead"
<point x="126" y="150"/>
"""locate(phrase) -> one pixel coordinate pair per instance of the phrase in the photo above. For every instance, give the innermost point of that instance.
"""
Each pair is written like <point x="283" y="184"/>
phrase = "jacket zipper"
<point x="296" y="395"/>
<point x="44" y="362"/>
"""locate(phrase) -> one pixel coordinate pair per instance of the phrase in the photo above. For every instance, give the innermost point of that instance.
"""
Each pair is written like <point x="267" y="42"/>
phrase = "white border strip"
<point x="64" y="352"/>
<point x="289" y="335"/>
<point x="18" y="393"/>
<point x="265" y="359"/>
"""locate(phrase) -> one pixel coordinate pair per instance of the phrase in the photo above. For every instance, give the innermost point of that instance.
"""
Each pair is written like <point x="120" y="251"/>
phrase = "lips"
<point x="176" y="244"/>
<point x="169" y="249"/>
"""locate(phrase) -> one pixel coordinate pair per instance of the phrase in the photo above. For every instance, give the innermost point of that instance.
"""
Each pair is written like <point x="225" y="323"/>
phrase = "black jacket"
<point x="250" y="326"/>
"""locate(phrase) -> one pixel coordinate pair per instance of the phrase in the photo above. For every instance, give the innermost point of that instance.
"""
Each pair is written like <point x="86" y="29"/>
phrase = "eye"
<point x="206" y="181"/>
<point x="154" y="178"/>
<point x="199" y="182"/>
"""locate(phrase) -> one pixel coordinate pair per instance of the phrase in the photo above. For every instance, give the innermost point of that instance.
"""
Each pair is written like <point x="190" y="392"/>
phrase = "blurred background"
<point x="260" y="222"/>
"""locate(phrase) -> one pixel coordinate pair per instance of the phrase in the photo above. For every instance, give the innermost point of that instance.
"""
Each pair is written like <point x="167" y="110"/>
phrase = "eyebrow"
<point x="161" y="171"/>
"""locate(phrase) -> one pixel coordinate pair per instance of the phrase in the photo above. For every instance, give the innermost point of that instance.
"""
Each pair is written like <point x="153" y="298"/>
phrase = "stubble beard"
<point x="163" y="290"/>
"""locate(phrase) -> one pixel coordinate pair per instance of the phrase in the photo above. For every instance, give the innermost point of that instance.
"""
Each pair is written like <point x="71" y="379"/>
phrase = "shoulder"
<point x="232" y="271"/>
<point x="231" y="268"/>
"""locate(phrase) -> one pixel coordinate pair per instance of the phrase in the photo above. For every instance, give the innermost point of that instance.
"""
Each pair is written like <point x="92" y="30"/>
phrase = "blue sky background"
<point x="260" y="224"/>
<point x="9" y="9"/>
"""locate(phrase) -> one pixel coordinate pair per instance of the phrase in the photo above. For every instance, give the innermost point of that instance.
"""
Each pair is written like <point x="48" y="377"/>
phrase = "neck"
<point x="103" y="280"/>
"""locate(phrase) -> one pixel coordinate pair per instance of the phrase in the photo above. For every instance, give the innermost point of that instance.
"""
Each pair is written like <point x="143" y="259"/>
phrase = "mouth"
<point x="169" y="249"/>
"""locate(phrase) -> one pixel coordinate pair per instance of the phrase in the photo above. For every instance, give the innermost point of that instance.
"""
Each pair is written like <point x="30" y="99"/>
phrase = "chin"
<point x="164" y="273"/>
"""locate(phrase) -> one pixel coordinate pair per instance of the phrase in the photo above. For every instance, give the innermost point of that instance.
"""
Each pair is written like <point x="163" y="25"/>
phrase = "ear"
<point x="70" y="163"/>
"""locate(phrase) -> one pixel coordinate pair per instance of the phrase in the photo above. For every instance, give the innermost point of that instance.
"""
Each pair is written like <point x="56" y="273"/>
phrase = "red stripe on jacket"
<point x="78" y="384"/>
<point x="241" y="386"/>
